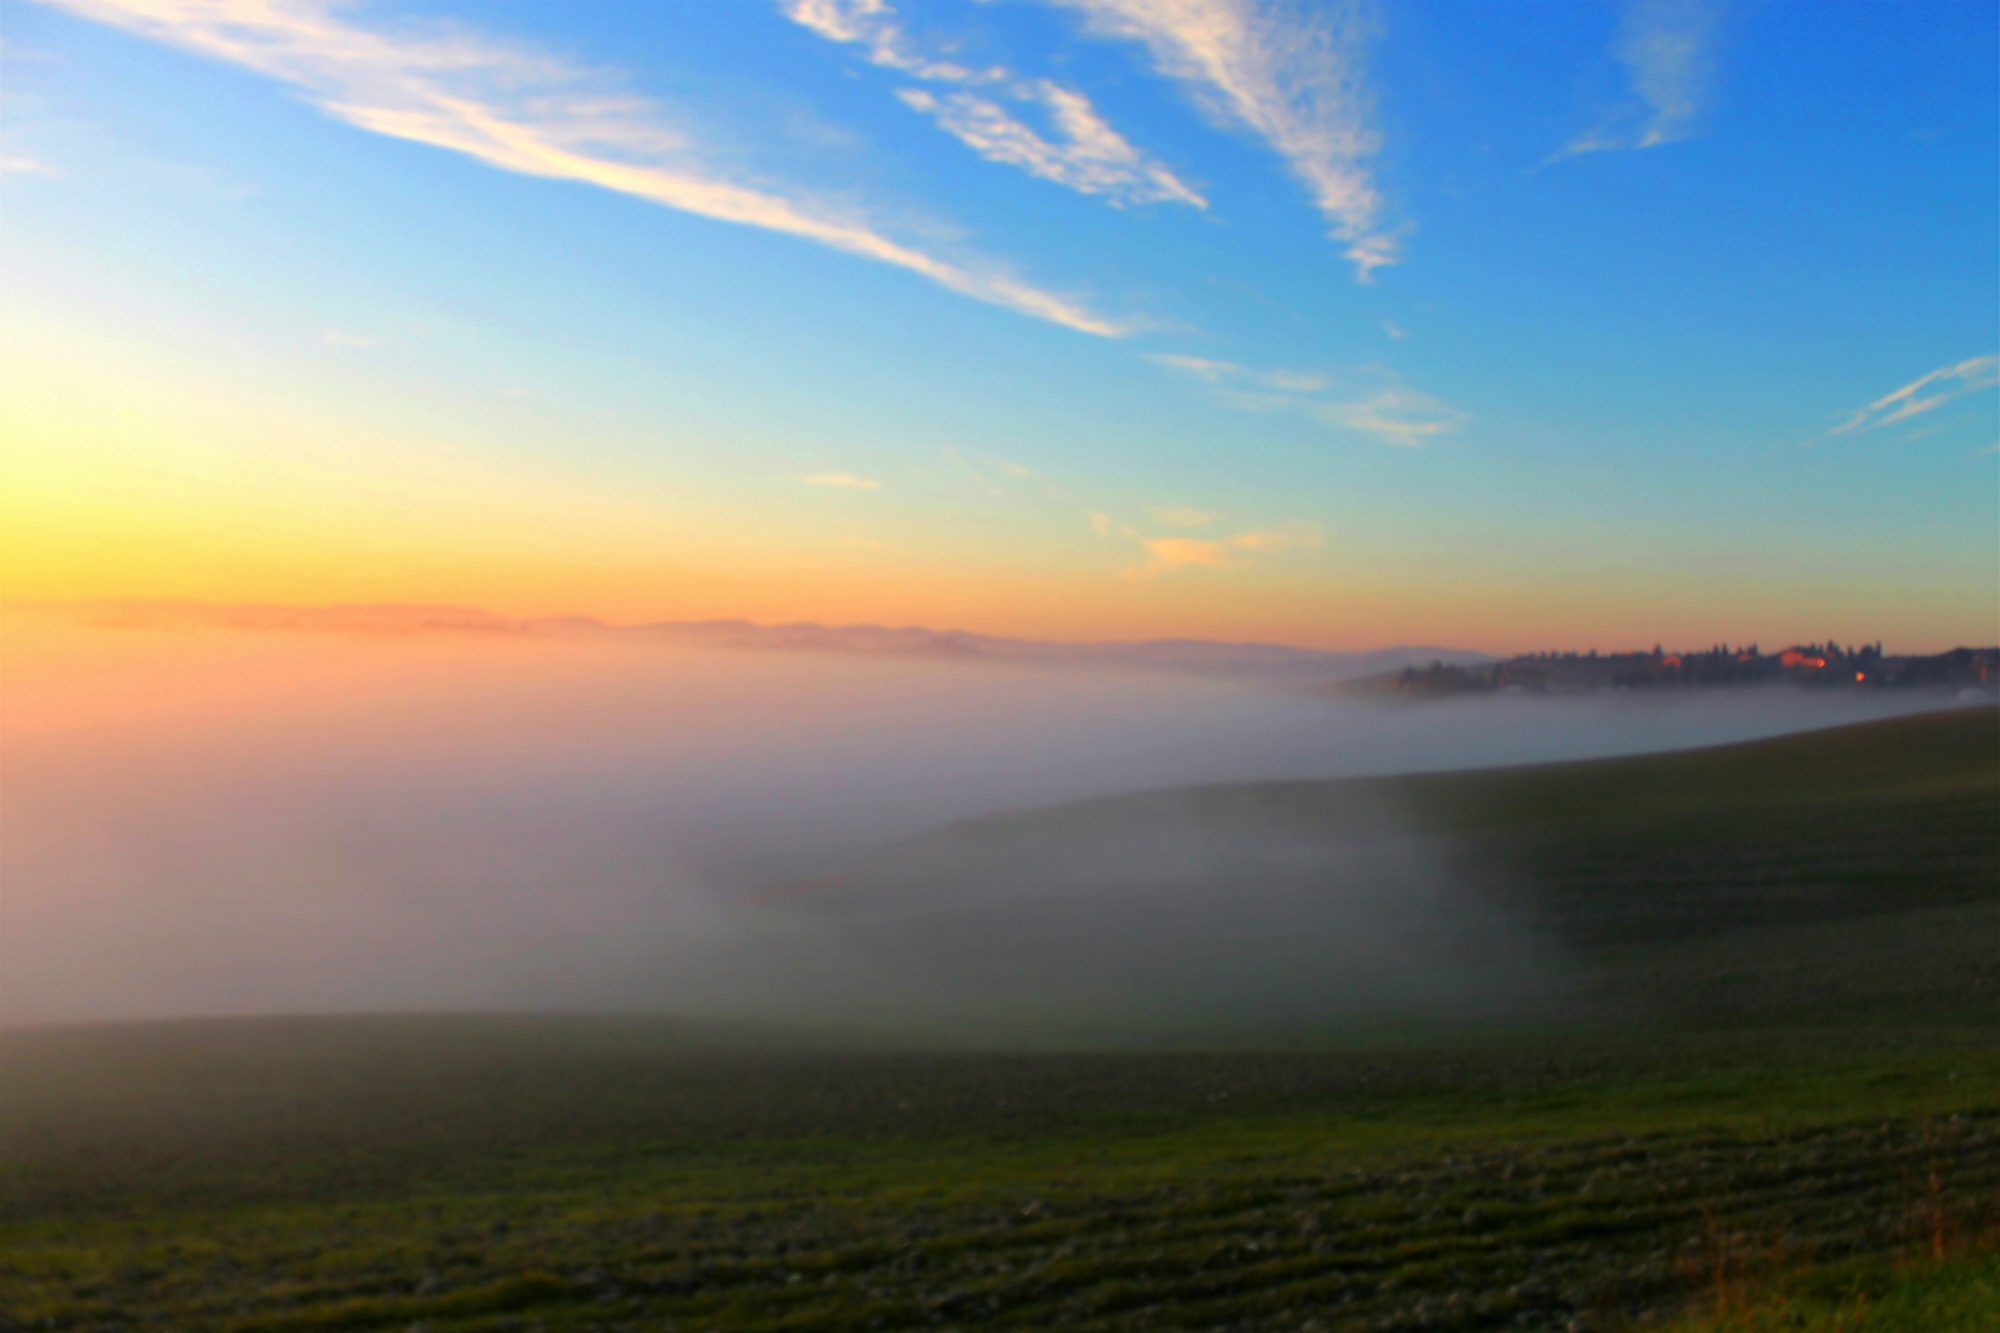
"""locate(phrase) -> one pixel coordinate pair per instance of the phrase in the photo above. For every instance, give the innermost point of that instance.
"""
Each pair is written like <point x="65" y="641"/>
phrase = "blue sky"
<point x="1508" y="326"/>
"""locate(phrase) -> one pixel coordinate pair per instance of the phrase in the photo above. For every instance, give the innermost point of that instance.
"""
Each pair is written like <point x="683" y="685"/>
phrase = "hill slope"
<point x="1838" y="876"/>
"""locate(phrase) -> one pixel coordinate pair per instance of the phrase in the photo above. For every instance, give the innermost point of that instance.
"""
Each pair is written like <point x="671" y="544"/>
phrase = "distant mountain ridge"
<point x="1270" y="662"/>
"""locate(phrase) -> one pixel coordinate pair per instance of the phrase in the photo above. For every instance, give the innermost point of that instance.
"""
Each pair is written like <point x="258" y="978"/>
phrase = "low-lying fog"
<point x="208" y="821"/>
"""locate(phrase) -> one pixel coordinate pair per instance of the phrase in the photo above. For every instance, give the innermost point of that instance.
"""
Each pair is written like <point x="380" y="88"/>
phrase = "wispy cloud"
<point x="1228" y="372"/>
<point x="1018" y="471"/>
<point x="1166" y="555"/>
<point x="1080" y="151"/>
<point x="1295" y="76"/>
<point x="1921" y="395"/>
<point x="873" y="26"/>
<point x="523" y="110"/>
<point x="1088" y="156"/>
<point x="1162" y="553"/>
<point x="843" y="481"/>
<point x="1393" y="414"/>
<point x="1370" y="400"/>
<point x="1668" y="50"/>
<point x="342" y="338"/>
<point x="1302" y="534"/>
<point x="1200" y="367"/>
<point x="1181" y="516"/>
<point x="22" y="165"/>
<point x="1295" y="381"/>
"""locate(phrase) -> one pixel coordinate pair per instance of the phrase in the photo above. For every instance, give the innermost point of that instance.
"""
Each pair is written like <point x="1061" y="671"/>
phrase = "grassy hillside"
<point x="1779" y="1131"/>
<point x="1844" y="876"/>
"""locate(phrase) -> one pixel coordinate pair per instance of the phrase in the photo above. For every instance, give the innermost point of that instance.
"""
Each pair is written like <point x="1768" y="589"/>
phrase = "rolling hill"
<point x="1840" y="876"/>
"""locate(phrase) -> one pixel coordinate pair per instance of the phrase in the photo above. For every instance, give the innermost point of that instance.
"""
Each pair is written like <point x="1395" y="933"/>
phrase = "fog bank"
<point x="212" y="820"/>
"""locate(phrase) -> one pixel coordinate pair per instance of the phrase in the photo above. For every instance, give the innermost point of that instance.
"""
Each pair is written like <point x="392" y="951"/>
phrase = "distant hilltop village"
<point x="1826" y="665"/>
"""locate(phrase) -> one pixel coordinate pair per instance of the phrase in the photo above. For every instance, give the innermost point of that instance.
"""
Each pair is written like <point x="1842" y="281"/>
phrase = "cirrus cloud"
<point x="523" y="110"/>
<point x="1080" y="150"/>
<point x="1371" y="400"/>
<point x="1167" y="555"/>
<point x="873" y="26"/>
<point x="1087" y="155"/>
<point x="1394" y="415"/>
<point x="1668" y="50"/>
<point x="1294" y="76"/>
<point x="1922" y="395"/>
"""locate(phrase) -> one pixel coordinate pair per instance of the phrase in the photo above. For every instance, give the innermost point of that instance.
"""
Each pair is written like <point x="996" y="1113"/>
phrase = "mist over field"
<point x="217" y="821"/>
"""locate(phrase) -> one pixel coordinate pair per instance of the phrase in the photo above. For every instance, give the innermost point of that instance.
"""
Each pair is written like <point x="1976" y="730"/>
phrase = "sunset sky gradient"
<point x="1506" y="327"/>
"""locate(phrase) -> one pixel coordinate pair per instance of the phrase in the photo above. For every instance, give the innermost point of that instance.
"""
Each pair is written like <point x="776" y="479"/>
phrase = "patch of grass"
<point x="1397" y="1189"/>
<point x="1953" y="1295"/>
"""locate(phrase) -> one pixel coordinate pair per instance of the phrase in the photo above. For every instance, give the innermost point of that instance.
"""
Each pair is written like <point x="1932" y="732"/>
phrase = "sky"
<point x="1346" y="325"/>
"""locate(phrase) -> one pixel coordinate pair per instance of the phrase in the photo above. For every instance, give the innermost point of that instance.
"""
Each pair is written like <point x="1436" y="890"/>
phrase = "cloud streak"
<point x="1668" y="50"/>
<point x="1088" y="156"/>
<point x="873" y="26"/>
<point x="843" y="481"/>
<point x="1394" y="415"/>
<point x="1921" y="395"/>
<point x="1201" y="367"/>
<point x="1296" y="78"/>
<point x="1082" y="152"/>
<point x="521" y="110"/>
<point x="1382" y="406"/>
<point x="1167" y="555"/>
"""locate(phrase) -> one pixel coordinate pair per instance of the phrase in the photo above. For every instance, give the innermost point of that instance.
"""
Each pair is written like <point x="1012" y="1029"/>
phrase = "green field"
<point x="1768" y="1080"/>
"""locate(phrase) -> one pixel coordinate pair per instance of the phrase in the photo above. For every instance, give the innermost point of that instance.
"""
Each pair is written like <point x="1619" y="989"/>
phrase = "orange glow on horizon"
<point x="165" y="488"/>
